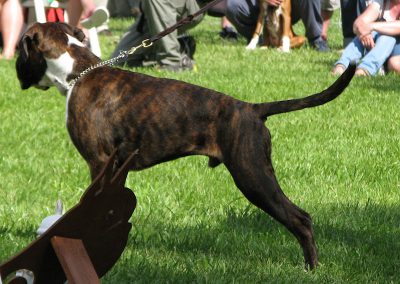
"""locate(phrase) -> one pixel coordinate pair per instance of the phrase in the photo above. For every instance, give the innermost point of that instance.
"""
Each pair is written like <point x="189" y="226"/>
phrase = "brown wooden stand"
<point x="87" y="240"/>
<point x="74" y="260"/>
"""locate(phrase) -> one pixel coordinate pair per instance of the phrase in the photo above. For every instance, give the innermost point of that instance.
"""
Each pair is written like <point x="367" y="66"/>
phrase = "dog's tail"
<point x="267" y="109"/>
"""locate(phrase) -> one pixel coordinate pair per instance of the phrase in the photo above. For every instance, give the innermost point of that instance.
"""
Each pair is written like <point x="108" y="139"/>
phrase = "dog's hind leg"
<point x="253" y="174"/>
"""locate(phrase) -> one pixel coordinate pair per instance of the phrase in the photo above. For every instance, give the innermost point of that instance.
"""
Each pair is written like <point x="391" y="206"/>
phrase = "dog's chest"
<point x="273" y="26"/>
<point x="273" y="18"/>
<point x="58" y="70"/>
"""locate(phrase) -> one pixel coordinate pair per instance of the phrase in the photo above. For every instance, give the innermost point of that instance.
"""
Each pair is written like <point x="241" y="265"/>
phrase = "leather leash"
<point x="189" y="19"/>
<point x="184" y="21"/>
<point x="123" y="55"/>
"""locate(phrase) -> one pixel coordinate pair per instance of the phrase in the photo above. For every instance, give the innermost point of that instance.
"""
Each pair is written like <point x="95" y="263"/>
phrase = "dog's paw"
<point x="285" y="44"/>
<point x="253" y="43"/>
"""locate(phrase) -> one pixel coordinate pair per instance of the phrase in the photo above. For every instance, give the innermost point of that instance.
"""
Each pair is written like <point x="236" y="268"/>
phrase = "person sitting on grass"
<point x="377" y="41"/>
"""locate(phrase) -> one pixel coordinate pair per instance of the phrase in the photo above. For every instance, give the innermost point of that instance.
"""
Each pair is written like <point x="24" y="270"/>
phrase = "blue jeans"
<point x="371" y="60"/>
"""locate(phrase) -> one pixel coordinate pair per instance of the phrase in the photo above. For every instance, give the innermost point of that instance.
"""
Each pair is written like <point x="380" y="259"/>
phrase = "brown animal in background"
<point x="110" y="108"/>
<point x="277" y="28"/>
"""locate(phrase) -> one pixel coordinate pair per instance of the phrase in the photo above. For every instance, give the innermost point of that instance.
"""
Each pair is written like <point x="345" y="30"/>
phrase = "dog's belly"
<point x="164" y="119"/>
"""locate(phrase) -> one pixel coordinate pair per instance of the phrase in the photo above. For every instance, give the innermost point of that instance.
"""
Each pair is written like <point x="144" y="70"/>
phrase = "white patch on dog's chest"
<point x="275" y="19"/>
<point x="60" y="67"/>
<point x="58" y="70"/>
<point x="67" y="103"/>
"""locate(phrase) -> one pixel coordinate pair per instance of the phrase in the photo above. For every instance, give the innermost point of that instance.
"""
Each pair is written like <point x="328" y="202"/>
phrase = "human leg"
<point x="219" y="10"/>
<point x="74" y="9"/>
<point x="309" y="11"/>
<point x="353" y="52"/>
<point x="160" y="15"/>
<point x="133" y="37"/>
<point x="79" y="9"/>
<point x="227" y="31"/>
<point x="350" y="10"/>
<point x="377" y="56"/>
<point x="326" y="20"/>
<point x="393" y="63"/>
<point x="243" y="15"/>
<point x="11" y="18"/>
<point x="327" y="8"/>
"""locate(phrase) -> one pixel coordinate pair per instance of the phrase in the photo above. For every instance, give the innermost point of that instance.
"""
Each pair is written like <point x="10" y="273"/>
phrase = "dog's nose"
<point x="24" y="85"/>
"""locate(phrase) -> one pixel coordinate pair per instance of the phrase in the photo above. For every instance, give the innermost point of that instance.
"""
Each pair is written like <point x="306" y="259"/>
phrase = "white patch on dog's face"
<point x="72" y="40"/>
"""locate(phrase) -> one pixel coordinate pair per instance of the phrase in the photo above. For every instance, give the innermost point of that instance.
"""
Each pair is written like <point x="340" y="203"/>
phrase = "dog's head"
<point x="39" y="44"/>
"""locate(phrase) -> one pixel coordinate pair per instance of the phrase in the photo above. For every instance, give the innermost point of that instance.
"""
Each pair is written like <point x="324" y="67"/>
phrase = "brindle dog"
<point x="165" y="119"/>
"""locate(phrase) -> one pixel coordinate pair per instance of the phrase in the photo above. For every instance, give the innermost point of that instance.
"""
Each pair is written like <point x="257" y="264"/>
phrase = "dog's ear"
<point x="24" y="47"/>
<point x="30" y="65"/>
<point x="73" y="31"/>
<point x="27" y="44"/>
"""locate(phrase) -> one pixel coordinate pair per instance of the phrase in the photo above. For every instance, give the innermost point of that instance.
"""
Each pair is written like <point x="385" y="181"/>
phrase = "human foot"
<point x="338" y="69"/>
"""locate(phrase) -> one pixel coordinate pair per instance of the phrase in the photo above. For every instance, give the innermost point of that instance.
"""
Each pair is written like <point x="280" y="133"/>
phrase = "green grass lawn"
<point x="339" y="162"/>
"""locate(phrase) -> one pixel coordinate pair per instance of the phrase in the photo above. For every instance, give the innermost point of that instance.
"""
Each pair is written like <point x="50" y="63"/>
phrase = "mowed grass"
<point x="339" y="162"/>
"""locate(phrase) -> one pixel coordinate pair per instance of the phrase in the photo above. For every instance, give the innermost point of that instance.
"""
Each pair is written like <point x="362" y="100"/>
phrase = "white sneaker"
<point x="381" y="71"/>
<point x="99" y="16"/>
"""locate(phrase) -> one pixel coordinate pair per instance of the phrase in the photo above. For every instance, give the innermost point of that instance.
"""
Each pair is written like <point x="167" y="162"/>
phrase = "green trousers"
<point x="157" y="16"/>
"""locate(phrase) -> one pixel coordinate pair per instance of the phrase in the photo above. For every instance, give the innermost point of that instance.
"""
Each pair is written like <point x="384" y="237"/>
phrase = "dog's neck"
<point x="68" y="66"/>
<point x="59" y="72"/>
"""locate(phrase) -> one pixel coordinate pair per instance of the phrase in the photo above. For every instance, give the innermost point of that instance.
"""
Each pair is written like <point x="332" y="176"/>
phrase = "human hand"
<point x="367" y="41"/>
<point x="274" y="3"/>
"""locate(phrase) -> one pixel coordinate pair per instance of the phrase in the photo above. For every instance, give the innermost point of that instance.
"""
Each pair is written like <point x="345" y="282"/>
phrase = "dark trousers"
<point x="243" y="15"/>
<point x="350" y="9"/>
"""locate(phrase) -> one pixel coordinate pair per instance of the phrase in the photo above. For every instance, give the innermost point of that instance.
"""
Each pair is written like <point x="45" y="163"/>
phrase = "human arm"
<point x="363" y="24"/>
<point x="387" y="28"/>
<point x="274" y="3"/>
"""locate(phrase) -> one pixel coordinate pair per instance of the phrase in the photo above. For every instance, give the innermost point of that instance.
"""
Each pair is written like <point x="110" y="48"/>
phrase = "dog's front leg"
<point x="260" y="20"/>
<point x="287" y="25"/>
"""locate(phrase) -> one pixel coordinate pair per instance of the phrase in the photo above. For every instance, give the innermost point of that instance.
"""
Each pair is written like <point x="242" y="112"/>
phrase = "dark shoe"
<point x="132" y="63"/>
<point x="187" y="45"/>
<point x="320" y="45"/>
<point x="187" y="64"/>
<point x="228" y="33"/>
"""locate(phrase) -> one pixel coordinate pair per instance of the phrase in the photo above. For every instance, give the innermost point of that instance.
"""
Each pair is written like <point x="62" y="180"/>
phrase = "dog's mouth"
<point x="44" y="88"/>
